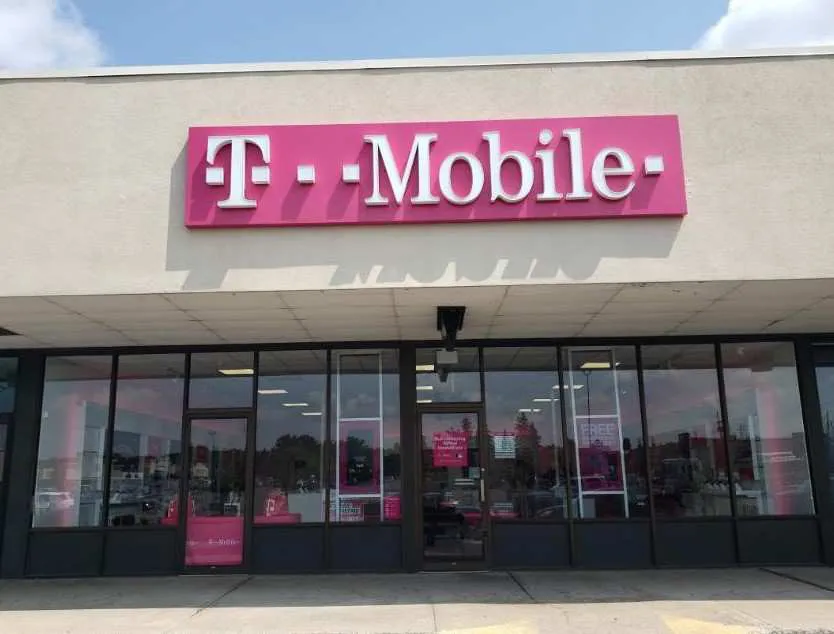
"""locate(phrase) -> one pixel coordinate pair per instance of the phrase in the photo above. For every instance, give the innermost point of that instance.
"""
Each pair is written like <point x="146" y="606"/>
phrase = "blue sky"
<point x="78" y="33"/>
<point x="211" y="31"/>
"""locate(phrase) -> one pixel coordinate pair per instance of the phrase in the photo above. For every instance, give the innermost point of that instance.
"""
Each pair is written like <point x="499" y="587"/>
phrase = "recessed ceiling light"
<point x="424" y="400"/>
<point x="595" y="365"/>
<point x="295" y="404"/>
<point x="311" y="413"/>
<point x="276" y="391"/>
<point x="425" y="387"/>
<point x="426" y="367"/>
<point x="545" y="400"/>
<point x="237" y="372"/>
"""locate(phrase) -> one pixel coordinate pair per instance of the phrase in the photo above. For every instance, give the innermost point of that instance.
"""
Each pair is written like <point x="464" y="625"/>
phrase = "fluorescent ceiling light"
<point x="275" y="391"/>
<point x="527" y="410"/>
<point x="595" y="365"/>
<point x="425" y="387"/>
<point x="426" y="367"/>
<point x="295" y="404"/>
<point x="237" y="372"/>
<point x="424" y="400"/>
<point x="311" y="413"/>
<point x="567" y="387"/>
<point x="545" y="400"/>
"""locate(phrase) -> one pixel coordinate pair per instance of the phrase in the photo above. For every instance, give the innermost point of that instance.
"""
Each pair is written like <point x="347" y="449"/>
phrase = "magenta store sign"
<point x="461" y="171"/>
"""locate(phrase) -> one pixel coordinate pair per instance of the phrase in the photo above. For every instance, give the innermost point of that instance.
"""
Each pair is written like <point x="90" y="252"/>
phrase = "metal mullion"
<point x="185" y="466"/>
<point x="328" y="408"/>
<point x="560" y="374"/>
<point x="647" y="463"/>
<point x="249" y="462"/>
<point x="108" y="453"/>
<point x="725" y="433"/>
<point x="483" y="459"/>
<point x="815" y="440"/>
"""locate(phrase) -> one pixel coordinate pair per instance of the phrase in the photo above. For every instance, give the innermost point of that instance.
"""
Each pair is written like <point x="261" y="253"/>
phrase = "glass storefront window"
<point x="221" y="380"/>
<point x="70" y="470"/>
<point x="766" y="430"/>
<point x="607" y="451"/>
<point x="8" y="377"/>
<point x="146" y="459"/>
<point x="525" y="466"/>
<point x="365" y="475"/>
<point x="461" y="384"/>
<point x="687" y="452"/>
<point x="289" y="448"/>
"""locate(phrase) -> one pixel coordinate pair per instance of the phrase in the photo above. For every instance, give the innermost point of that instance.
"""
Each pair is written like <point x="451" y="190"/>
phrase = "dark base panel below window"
<point x="695" y="543"/>
<point x="827" y="532"/>
<point x="141" y="552"/>
<point x="366" y="547"/>
<point x="64" y="554"/>
<point x="530" y="545"/>
<point x="775" y="541"/>
<point x="278" y="549"/>
<point x="612" y="545"/>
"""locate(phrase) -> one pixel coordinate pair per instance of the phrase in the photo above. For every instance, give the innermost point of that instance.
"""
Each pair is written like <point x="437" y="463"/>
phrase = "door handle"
<point x="483" y="494"/>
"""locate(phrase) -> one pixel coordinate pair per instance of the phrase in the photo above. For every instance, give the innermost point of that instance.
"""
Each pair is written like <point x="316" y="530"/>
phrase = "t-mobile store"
<point x="478" y="314"/>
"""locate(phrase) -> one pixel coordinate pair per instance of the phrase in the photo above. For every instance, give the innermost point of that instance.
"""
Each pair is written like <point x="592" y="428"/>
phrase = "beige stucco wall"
<point x="92" y="169"/>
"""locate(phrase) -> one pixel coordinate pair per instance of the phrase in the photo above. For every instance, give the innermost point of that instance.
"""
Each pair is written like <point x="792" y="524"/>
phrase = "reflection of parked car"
<point x="54" y="501"/>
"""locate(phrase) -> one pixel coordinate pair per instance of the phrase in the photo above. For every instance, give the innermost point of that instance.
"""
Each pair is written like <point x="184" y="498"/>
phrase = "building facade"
<point x="468" y="314"/>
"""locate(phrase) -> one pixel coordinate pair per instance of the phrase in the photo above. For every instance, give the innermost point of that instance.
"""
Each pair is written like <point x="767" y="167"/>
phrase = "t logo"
<point x="237" y="167"/>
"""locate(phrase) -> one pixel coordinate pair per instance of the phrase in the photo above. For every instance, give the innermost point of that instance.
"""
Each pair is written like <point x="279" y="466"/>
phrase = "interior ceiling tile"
<point x="83" y="340"/>
<point x="590" y="293"/>
<point x="825" y="306"/>
<point x="249" y="314"/>
<point x="243" y="326"/>
<point x="167" y="338"/>
<point x="112" y="303"/>
<point x="459" y="296"/>
<point x="778" y="289"/>
<point x="654" y="321"/>
<point x="656" y="307"/>
<point x="225" y="301"/>
<point x="557" y="311"/>
<point x="261" y="337"/>
<point x="68" y="330"/>
<point x="665" y="291"/>
<point x="28" y="305"/>
<point x="44" y="319"/>
<point x="726" y="329"/>
<point x="346" y="315"/>
<point x="14" y="342"/>
<point x="138" y="316"/>
<point x="338" y="297"/>
<point x="522" y="321"/>
<point x="761" y="302"/>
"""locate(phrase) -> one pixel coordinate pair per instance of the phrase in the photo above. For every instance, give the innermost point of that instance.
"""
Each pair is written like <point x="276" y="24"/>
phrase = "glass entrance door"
<point x="452" y="488"/>
<point x="216" y="492"/>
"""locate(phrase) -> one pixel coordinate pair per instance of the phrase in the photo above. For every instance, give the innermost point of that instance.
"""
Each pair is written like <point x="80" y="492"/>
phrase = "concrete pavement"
<point x="734" y="601"/>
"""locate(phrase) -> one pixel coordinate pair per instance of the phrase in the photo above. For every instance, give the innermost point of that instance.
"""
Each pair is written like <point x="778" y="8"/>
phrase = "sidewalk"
<point x="735" y="601"/>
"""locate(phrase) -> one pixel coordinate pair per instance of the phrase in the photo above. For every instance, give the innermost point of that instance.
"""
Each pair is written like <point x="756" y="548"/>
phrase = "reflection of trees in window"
<point x="293" y="463"/>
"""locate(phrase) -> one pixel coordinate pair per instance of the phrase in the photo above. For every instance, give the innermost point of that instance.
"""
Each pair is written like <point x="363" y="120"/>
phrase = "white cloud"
<point x="772" y="24"/>
<point x="46" y="34"/>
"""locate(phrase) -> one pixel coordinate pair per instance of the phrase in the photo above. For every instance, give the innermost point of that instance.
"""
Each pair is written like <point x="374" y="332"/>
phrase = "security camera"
<point x="444" y="360"/>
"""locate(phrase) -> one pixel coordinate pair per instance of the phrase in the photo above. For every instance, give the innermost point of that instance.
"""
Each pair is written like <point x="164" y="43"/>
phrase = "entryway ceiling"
<point x="497" y="312"/>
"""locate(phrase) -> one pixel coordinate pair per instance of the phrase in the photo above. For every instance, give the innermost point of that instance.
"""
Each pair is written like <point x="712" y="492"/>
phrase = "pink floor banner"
<point x="214" y="541"/>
